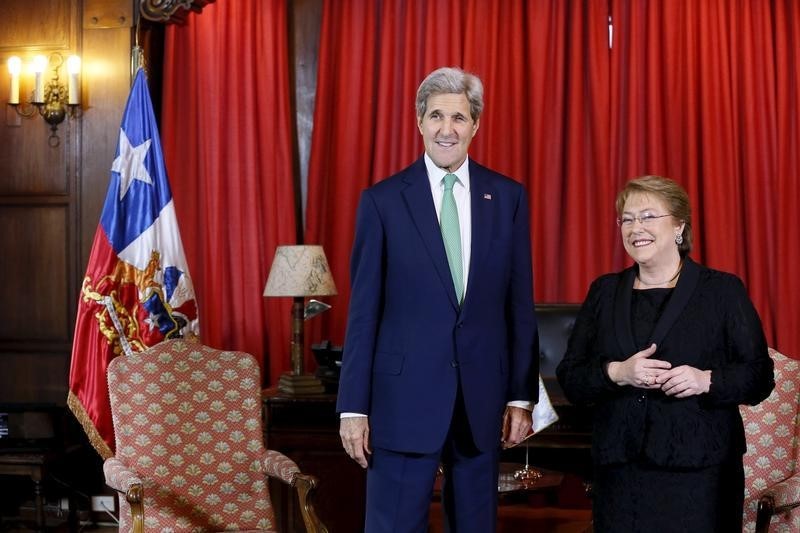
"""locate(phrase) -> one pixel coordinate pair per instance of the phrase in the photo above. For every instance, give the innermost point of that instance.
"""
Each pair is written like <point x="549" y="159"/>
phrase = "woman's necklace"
<point x="670" y="282"/>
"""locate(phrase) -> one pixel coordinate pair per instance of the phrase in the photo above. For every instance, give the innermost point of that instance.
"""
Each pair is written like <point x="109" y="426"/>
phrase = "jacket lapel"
<point x="483" y="211"/>
<point x="622" y="312"/>
<point x="690" y="274"/>
<point x="419" y="203"/>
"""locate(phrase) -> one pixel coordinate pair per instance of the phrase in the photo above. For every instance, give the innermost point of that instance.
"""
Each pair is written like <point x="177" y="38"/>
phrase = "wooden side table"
<point x="34" y="465"/>
<point x="31" y="465"/>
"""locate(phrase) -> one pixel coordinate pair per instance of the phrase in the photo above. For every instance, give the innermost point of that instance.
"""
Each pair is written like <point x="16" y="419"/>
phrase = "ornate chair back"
<point x="187" y="419"/>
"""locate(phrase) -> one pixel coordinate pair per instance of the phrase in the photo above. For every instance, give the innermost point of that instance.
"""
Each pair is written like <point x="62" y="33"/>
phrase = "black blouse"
<point x="646" y="308"/>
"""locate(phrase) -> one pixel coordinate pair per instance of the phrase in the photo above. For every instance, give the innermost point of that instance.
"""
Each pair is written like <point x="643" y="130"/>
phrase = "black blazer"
<point x="708" y="323"/>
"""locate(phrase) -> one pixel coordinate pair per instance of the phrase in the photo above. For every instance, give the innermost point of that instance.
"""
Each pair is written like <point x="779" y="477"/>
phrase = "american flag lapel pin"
<point x="487" y="196"/>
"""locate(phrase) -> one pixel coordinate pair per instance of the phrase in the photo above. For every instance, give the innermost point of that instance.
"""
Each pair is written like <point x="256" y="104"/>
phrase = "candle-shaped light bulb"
<point x="73" y="69"/>
<point x="14" y="68"/>
<point x="39" y="64"/>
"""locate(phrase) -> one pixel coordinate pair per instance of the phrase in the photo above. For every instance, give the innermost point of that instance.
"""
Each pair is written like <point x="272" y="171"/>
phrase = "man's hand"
<point x="354" y="432"/>
<point x="516" y="425"/>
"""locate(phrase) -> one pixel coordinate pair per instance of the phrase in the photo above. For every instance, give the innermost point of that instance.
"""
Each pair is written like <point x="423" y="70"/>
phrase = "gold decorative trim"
<point x="95" y="439"/>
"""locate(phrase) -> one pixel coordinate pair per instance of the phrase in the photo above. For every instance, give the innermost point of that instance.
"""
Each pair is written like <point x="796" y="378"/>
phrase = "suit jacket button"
<point x="454" y="364"/>
<point x="461" y="324"/>
<point x="641" y="398"/>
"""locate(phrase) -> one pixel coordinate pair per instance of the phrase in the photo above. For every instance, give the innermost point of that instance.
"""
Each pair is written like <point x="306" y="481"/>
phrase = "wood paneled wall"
<point x="51" y="196"/>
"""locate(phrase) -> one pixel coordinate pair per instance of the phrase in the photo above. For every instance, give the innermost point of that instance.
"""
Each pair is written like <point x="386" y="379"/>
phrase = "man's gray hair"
<point x="451" y="80"/>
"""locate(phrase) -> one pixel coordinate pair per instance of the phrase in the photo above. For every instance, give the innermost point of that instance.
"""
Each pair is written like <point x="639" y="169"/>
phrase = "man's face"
<point x="447" y="129"/>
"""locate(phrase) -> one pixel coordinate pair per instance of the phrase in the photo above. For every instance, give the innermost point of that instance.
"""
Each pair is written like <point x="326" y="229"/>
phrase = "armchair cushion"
<point x="118" y="476"/>
<point x="275" y="464"/>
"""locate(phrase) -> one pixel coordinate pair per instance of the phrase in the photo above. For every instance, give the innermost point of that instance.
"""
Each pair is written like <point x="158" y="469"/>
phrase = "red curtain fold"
<point x="784" y="278"/>
<point x="227" y="128"/>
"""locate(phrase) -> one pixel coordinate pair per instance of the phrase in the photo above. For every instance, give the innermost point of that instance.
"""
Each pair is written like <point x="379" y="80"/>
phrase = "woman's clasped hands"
<point x="641" y="371"/>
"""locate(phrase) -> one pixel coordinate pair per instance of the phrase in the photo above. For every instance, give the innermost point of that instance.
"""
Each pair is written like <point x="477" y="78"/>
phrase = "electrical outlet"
<point x="63" y="504"/>
<point x="103" y="503"/>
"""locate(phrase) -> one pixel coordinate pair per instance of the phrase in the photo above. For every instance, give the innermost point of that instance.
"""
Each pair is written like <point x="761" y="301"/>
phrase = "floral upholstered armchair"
<point x="190" y="453"/>
<point x="772" y="478"/>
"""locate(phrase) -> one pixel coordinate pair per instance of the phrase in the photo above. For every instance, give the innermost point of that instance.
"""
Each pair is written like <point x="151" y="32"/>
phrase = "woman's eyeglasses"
<point x="645" y="219"/>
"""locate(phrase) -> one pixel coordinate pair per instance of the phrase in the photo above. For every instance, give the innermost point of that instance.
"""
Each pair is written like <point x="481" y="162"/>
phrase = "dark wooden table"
<point x="34" y="465"/>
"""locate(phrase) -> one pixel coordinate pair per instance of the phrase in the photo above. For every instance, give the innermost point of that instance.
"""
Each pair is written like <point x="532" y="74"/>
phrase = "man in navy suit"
<point x="440" y="358"/>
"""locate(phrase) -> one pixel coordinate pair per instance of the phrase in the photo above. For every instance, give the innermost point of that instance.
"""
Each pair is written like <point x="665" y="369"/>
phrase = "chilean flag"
<point x="137" y="290"/>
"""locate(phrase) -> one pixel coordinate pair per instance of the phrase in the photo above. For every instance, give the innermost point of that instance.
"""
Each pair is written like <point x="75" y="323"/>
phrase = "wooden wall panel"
<point x="34" y="377"/>
<point x="30" y="166"/>
<point x="37" y="25"/>
<point x="99" y="14"/>
<point x="37" y="234"/>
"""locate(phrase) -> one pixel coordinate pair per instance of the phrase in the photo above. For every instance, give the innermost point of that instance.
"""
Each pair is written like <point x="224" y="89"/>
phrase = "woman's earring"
<point x="678" y="239"/>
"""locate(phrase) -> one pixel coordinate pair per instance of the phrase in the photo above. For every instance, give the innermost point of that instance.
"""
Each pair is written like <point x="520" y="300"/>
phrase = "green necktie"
<point x="451" y="234"/>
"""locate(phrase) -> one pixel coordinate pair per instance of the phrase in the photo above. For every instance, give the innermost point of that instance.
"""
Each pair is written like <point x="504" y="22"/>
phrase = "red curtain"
<point x="707" y="93"/>
<point x="226" y="133"/>
<point x="704" y="92"/>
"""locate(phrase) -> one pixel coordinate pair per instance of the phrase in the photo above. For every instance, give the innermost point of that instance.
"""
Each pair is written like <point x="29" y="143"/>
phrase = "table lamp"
<point x="299" y="271"/>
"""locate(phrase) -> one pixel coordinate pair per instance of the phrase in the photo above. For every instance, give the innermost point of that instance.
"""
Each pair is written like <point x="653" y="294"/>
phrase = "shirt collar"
<point x="436" y="174"/>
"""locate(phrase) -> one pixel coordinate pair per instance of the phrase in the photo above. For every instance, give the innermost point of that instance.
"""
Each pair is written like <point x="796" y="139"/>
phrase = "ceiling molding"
<point x="170" y="11"/>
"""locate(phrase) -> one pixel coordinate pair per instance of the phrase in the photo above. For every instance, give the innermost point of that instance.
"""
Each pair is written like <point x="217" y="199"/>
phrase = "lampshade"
<point x="299" y="271"/>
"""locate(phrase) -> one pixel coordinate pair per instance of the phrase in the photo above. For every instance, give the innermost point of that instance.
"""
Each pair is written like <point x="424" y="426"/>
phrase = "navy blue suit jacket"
<point x="408" y="343"/>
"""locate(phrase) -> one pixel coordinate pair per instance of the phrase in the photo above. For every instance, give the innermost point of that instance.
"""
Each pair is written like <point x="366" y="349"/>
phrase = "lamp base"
<point x="300" y="384"/>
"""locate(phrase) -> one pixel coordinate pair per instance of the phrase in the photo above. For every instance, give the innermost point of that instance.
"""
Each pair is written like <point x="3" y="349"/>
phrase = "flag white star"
<point x="130" y="163"/>
<point x="151" y="321"/>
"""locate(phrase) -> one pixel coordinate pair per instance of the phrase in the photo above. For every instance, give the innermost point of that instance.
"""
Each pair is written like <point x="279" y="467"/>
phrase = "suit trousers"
<point x="400" y="484"/>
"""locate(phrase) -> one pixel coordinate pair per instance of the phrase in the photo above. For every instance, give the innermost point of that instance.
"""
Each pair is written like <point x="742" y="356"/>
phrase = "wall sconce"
<point x="51" y="99"/>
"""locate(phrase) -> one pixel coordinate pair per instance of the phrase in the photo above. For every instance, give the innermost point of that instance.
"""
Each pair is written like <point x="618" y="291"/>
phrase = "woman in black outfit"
<point x="664" y="352"/>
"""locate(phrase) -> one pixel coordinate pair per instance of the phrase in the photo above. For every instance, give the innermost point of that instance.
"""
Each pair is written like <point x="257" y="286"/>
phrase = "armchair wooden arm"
<point x="306" y="486"/>
<point x="128" y="484"/>
<point x="279" y="466"/>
